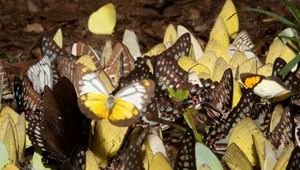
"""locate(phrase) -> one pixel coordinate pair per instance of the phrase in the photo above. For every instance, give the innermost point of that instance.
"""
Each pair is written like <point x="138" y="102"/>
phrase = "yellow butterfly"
<point x="121" y="109"/>
<point x="103" y="21"/>
<point x="58" y="38"/>
<point x="230" y="17"/>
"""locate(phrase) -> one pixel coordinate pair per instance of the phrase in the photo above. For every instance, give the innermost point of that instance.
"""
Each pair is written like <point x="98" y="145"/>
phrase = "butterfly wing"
<point x="180" y="48"/>
<point x="77" y="159"/>
<point x="46" y="133"/>
<point x="40" y="75"/>
<point x="66" y="68"/>
<point x="27" y="98"/>
<point x="80" y="49"/>
<point x="129" y="101"/>
<point x="52" y="50"/>
<point x="243" y="38"/>
<point x="103" y="21"/>
<point x="120" y="64"/>
<point x="60" y="125"/>
<point x="131" y="42"/>
<point x="93" y="93"/>
<point x="185" y="158"/>
<point x="6" y="92"/>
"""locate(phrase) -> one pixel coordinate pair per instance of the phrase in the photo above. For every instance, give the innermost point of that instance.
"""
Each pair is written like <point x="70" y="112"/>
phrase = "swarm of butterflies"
<point x="110" y="110"/>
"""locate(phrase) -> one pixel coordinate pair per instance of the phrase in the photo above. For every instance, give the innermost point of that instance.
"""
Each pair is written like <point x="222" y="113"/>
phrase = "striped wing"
<point x="80" y="49"/>
<point x="6" y="92"/>
<point x="120" y="64"/>
<point x="283" y="133"/>
<point x="219" y="97"/>
<point x="66" y="68"/>
<point x="40" y="75"/>
<point x="27" y="98"/>
<point x="60" y="126"/>
<point x="243" y="38"/>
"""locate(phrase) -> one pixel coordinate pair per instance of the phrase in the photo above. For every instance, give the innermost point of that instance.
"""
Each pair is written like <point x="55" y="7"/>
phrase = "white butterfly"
<point x="131" y="42"/>
<point x="121" y="109"/>
<point x="40" y="74"/>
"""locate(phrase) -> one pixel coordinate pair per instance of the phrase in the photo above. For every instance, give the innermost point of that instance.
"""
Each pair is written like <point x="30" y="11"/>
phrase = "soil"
<point x="20" y="48"/>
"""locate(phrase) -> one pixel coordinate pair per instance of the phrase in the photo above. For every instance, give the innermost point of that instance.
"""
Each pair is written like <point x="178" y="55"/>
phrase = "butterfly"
<point x="216" y="98"/>
<point x="291" y="80"/>
<point x="185" y="159"/>
<point x="103" y="21"/>
<point x="66" y="68"/>
<point x="120" y="63"/>
<point x="131" y="42"/>
<point x="6" y="94"/>
<point x="80" y="49"/>
<point x="130" y="156"/>
<point x="133" y="158"/>
<point x="12" y="129"/>
<point x="261" y="86"/>
<point x="52" y="51"/>
<point x="246" y="107"/>
<point x="294" y="159"/>
<point x="243" y="38"/>
<point x="27" y="98"/>
<point x="60" y="127"/>
<point x="180" y="48"/>
<point x="282" y="134"/>
<point x="40" y="74"/>
<point x="121" y="109"/>
<point x="196" y="48"/>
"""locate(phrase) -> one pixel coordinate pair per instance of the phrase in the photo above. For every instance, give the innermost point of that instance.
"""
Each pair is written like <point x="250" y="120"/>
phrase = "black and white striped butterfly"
<point x="40" y="75"/>
<point x="243" y="38"/>
<point x="59" y="128"/>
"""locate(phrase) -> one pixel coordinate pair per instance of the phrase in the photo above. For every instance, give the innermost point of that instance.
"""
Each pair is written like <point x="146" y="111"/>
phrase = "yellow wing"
<point x="230" y="17"/>
<point x="242" y="136"/>
<point x="236" y="158"/>
<point x="107" y="141"/>
<point x="103" y="21"/>
<point x="58" y="38"/>
<point x="219" y="33"/>
<point x="159" y="161"/>
<point x="170" y="35"/>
